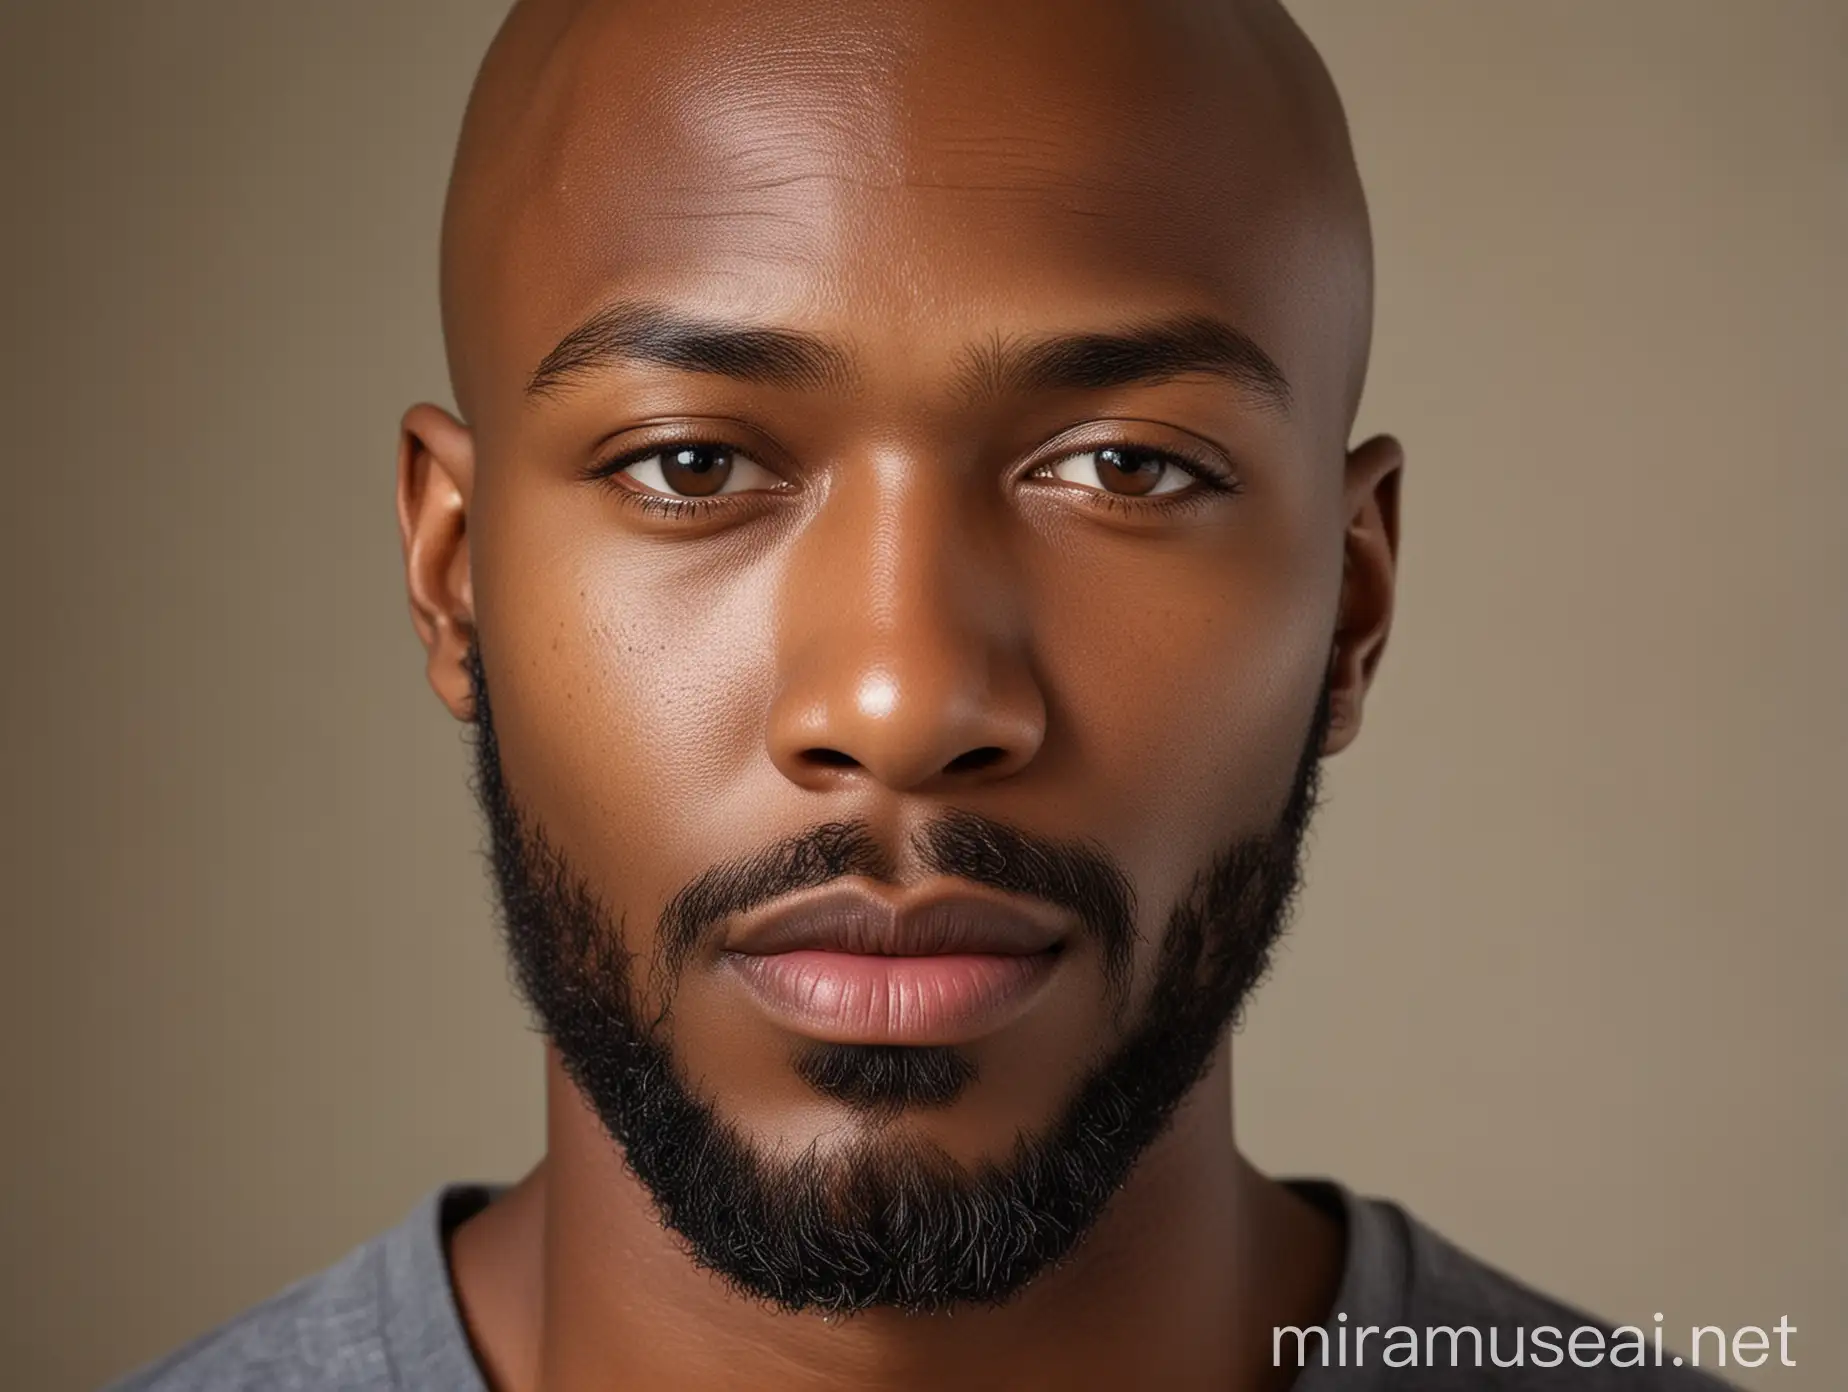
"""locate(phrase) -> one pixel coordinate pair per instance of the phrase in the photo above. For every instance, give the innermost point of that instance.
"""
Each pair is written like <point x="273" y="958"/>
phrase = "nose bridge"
<point x="901" y="640"/>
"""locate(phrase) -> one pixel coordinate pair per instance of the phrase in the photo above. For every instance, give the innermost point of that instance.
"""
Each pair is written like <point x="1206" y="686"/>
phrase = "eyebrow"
<point x="653" y="334"/>
<point x="1142" y="354"/>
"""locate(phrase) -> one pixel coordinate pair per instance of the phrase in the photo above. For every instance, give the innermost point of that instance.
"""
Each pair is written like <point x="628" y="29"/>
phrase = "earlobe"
<point x="436" y="476"/>
<point x="1370" y="549"/>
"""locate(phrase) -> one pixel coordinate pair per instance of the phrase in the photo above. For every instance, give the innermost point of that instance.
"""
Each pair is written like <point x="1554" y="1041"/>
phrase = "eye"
<point x="694" y="471"/>
<point x="1126" y="471"/>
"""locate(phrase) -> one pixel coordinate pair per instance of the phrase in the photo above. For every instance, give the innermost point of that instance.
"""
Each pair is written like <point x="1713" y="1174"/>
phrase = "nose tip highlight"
<point x="877" y="696"/>
<point x="906" y="737"/>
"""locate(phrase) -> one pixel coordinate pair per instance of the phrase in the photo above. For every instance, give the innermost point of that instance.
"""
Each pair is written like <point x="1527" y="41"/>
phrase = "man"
<point x="901" y="555"/>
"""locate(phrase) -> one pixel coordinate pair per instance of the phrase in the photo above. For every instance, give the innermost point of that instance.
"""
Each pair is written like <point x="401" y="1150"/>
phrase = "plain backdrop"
<point x="1569" y="977"/>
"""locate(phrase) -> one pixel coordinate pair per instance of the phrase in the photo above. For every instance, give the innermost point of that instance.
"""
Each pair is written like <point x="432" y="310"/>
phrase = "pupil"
<point x="696" y="469"/>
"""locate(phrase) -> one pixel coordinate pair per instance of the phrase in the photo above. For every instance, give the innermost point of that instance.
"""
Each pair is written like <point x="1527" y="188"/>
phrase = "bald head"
<point x="772" y="160"/>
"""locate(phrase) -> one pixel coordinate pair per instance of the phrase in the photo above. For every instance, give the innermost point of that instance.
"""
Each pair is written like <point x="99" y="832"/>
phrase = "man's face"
<point x="879" y="417"/>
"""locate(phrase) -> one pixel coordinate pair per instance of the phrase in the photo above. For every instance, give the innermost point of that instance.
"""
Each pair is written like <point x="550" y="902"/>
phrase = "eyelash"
<point x="1210" y="479"/>
<point x="654" y="504"/>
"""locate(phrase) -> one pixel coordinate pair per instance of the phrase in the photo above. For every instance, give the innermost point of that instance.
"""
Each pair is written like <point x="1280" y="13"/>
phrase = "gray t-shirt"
<point x="384" y="1319"/>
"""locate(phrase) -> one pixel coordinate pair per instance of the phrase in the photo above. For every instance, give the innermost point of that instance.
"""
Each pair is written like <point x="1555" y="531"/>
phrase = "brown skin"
<point x="917" y="186"/>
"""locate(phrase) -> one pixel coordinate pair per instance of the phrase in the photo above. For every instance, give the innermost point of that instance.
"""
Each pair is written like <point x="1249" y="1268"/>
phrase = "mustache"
<point x="1077" y="876"/>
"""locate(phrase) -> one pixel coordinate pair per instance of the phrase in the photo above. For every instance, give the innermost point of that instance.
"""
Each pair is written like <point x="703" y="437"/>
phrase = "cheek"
<point x="628" y="683"/>
<point x="1186" y="692"/>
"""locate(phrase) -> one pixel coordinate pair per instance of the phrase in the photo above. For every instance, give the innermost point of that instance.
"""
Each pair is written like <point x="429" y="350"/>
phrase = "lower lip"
<point x="858" y="998"/>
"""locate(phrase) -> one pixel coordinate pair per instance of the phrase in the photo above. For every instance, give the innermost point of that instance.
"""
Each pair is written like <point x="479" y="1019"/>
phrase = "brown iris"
<point x="696" y="470"/>
<point x="1131" y="471"/>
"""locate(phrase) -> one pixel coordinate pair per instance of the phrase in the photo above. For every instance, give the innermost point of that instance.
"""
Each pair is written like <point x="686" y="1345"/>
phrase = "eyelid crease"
<point x="615" y="464"/>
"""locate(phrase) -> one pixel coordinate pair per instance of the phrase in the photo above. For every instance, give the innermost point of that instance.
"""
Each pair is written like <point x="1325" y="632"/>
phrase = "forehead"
<point x="909" y="178"/>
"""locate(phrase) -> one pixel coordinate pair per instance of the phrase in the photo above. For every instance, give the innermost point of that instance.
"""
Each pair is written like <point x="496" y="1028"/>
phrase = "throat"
<point x="570" y="1281"/>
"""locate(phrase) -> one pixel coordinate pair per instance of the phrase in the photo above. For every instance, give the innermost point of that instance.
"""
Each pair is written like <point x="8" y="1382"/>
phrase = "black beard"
<point x="887" y="1221"/>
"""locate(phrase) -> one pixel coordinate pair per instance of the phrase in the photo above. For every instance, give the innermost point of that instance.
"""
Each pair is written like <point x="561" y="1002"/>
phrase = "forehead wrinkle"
<point x="767" y="87"/>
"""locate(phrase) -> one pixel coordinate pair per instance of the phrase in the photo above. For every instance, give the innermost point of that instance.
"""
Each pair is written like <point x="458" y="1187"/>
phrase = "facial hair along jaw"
<point x="885" y="1221"/>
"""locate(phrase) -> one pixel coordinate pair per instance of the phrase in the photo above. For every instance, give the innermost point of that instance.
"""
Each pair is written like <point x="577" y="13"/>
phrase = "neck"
<point x="570" y="1282"/>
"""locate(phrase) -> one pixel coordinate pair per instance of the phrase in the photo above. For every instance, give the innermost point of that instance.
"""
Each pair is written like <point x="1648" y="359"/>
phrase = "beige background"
<point x="1570" y="975"/>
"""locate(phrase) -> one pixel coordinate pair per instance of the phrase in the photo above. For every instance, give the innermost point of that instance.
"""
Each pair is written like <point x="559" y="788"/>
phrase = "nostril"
<point x="981" y="758"/>
<point x="830" y="758"/>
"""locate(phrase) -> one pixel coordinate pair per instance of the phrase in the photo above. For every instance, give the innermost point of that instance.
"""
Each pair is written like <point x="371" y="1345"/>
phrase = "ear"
<point x="436" y="479"/>
<point x="1370" y="547"/>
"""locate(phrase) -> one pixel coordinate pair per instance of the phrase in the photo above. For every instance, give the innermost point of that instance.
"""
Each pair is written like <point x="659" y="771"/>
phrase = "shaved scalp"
<point x="590" y="117"/>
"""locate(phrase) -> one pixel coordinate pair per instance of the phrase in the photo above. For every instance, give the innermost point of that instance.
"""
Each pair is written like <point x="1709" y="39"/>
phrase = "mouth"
<point x="852" y="965"/>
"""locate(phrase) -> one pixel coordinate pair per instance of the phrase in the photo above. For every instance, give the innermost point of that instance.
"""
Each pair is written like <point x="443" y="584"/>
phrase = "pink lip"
<point x="864" y="998"/>
<point x="939" y="962"/>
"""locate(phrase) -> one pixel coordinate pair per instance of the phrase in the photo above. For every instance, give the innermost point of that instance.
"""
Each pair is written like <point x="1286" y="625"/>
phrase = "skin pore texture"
<point x="896" y="415"/>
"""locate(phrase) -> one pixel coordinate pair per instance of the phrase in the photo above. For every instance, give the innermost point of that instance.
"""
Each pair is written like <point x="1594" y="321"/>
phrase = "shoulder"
<point x="1557" y="1344"/>
<point x="381" y="1318"/>
<point x="1416" y="1310"/>
<point x="323" y="1332"/>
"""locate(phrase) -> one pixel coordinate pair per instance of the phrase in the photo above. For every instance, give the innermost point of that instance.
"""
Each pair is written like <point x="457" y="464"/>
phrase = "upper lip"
<point x="918" y="923"/>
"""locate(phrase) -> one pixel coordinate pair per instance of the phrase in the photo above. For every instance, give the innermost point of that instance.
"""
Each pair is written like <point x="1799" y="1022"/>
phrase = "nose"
<point x="903" y="657"/>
